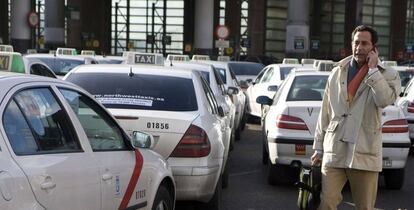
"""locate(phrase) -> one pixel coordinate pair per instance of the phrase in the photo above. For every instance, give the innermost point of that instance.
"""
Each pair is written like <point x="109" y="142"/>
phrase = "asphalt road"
<point x="248" y="188"/>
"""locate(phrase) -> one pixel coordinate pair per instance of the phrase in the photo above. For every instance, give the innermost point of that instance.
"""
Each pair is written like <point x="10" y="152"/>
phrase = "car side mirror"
<point x="220" y="111"/>
<point x="142" y="140"/>
<point x="264" y="100"/>
<point x="401" y="94"/>
<point x="272" y="88"/>
<point x="232" y="91"/>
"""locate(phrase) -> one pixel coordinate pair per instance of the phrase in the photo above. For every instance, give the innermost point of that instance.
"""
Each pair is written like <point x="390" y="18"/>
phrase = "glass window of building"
<point x="244" y="42"/>
<point x="409" y="31"/>
<point x="142" y="26"/>
<point x="222" y="18"/>
<point x="276" y="16"/>
<point x="377" y="13"/>
<point x="332" y="29"/>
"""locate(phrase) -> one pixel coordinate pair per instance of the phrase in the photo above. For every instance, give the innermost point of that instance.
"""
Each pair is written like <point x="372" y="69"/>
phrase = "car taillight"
<point x="410" y="107"/>
<point x="395" y="126"/>
<point x="290" y="122"/>
<point x="194" y="143"/>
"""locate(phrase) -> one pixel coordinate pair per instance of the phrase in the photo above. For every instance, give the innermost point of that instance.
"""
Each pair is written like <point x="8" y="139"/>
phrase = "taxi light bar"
<point x="172" y="57"/>
<point x="6" y="48"/>
<point x="290" y="122"/>
<point x="395" y="126"/>
<point x="200" y="58"/>
<point x="66" y="51"/>
<point x="136" y="58"/>
<point x="194" y="143"/>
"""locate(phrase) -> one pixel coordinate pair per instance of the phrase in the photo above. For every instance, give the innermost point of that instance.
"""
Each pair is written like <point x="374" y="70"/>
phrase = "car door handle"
<point x="107" y="177"/>
<point x="47" y="185"/>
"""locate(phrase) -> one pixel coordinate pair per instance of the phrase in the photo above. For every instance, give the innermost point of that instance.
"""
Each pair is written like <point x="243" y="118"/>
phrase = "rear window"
<point x="246" y="68"/>
<point x="307" y="88"/>
<point x="284" y="71"/>
<point x="405" y="76"/>
<point x="149" y="92"/>
<point x="61" y="66"/>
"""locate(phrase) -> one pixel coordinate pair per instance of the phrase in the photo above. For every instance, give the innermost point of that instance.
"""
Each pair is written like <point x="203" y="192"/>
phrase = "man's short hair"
<point x="374" y="35"/>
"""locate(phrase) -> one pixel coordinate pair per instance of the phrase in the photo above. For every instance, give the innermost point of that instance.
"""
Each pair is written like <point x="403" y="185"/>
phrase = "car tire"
<point x="265" y="153"/>
<point x="232" y="140"/>
<point x="225" y="177"/>
<point x="394" y="178"/>
<point x="163" y="199"/>
<point x="214" y="203"/>
<point x="238" y="133"/>
<point x="277" y="174"/>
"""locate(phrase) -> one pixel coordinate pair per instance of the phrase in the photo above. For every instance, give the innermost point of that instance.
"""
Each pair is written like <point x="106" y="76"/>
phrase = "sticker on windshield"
<point x="127" y="100"/>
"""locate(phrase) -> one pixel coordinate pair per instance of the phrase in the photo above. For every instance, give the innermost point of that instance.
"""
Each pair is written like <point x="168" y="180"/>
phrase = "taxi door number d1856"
<point x="157" y="125"/>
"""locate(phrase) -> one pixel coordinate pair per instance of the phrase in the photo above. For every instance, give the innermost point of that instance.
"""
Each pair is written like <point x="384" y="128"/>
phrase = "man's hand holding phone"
<point x="372" y="58"/>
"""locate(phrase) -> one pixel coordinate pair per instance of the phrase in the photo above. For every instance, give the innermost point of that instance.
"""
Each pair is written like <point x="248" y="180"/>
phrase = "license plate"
<point x="387" y="163"/>
<point x="300" y="149"/>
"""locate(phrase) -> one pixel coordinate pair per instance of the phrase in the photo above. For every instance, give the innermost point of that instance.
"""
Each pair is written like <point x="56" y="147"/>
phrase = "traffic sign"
<point x="222" y="32"/>
<point x="33" y="19"/>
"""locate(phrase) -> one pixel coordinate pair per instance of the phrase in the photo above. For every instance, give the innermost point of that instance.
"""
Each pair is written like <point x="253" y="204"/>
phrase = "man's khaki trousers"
<point x="363" y="185"/>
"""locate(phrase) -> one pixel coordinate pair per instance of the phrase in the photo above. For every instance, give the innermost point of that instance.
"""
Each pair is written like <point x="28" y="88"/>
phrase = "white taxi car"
<point x="290" y="123"/>
<point x="222" y="96"/>
<point x="61" y="149"/>
<point x="15" y="62"/>
<point x="61" y="63"/>
<point x="178" y="108"/>
<point x="266" y="83"/>
<point x="239" y="99"/>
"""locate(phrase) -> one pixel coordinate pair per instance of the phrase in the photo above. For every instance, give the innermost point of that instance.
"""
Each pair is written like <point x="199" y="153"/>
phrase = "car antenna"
<point x="171" y="63"/>
<point x="130" y="74"/>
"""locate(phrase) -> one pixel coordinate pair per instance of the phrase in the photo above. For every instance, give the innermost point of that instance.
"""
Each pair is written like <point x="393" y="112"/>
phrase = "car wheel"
<point x="277" y="174"/>
<point x="238" y="133"/>
<point x="232" y="140"/>
<point x="225" y="177"/>
<point x="163" y="200"/>
<point x="243" y="121"/>
<point x="394" y="178"/>
<point x="265" y="154"/>
<point x="214" y="203"/>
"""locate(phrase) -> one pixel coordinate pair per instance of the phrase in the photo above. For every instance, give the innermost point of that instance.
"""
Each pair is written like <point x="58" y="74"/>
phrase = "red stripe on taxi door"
<point x="139" y="160"/>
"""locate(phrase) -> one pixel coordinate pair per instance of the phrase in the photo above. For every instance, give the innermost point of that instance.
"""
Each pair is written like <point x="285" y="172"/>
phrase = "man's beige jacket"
<point x="350" y="134"/>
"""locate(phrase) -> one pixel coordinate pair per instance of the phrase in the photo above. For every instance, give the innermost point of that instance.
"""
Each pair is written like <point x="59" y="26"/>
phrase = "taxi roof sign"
<point x="143" y="58"/>
<point x="6" y="48"/>
<point x="389" y="63"/>
<point x="88" y="52"/>
<point x="53" y="52"/>
<point x="223" y="58"/>
<point x="200" y="58"/>
<point x="290" y="61"/>
<point x="31" y="51"/>
<point x="172" y="57"/>
<point x="66" y="51"/>
<point x="12" y="61"/>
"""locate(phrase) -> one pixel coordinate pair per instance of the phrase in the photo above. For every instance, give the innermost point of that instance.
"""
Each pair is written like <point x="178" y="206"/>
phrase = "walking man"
<point x="348" y="138"/>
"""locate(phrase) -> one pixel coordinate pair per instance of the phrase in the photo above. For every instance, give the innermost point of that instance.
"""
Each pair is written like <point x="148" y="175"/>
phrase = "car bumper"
<point x="294" y="152"/>
<point x="195" y="183"/>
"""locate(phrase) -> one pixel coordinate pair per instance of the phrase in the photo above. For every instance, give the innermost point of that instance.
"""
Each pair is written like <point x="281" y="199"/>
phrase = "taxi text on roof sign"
<point x="66" y="51"/>
<point x="143" y="58"/>
<point x="4" y="62"/>
<point x="87" y="52"/>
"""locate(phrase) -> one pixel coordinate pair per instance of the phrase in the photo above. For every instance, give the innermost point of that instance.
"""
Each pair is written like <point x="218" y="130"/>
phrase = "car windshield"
<point x="149" y="92"/>
<point x="61" y="66"/>
<point x="405" y="76"/>
<point x="241" y="68"/>
<point x="284" y="71"/>
<point x="307" y="88"/>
